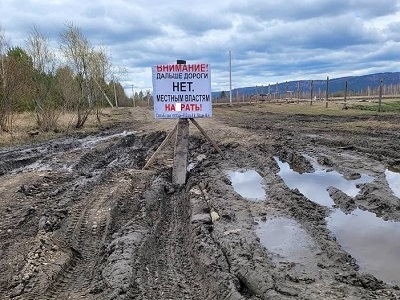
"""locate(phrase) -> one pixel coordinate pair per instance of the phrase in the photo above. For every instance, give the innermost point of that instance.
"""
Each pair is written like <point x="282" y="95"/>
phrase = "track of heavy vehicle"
<point x="85" y="237"/>
<point x="71" y="203"/>
<point x="81" y="219"/>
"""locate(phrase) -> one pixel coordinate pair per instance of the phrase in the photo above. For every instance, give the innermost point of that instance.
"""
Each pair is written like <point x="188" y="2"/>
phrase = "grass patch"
<point x="393" y="106"/>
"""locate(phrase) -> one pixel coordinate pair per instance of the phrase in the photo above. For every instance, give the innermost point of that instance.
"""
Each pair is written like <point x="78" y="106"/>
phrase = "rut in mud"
<point x="80" y="219"/>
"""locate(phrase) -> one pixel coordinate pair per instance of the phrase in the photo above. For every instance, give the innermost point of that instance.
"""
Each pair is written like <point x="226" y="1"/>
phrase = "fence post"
<point x="298" y="92"/>
<point x="327" y="92"/>
<point x="380" y="96"/>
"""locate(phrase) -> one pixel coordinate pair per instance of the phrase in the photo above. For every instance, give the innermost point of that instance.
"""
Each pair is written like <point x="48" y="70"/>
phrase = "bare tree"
<point x="78" y="52"/>
<point x="3" y="50"/>
<point x="45" y="96"/>
<point x="4" y="99"/>
<point x="89" y="67"/>
<point x="38" y="48"/>
<point x="68" y="87"/>
<point x="100" y="69"/>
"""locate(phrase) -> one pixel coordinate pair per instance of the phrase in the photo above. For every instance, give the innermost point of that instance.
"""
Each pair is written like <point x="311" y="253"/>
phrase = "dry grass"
<point x="317" y="108"/>
<point x="335" y="108"/>
<point x="26" y="122"/>
<point x="367" y="125"/>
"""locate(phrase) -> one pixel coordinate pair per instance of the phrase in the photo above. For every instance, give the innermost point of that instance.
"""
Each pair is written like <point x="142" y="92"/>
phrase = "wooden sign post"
<point x="181" y="152"/>
<point x="184" y="92"/>
<point x="179" y="168"/>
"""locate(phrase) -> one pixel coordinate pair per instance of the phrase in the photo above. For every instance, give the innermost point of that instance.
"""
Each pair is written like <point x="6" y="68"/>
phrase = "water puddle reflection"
<point x="314" y="185"/>
<point x="285" y="238"/>
<point x="393" y="179"/>
<point x="373" y="242"/>
<point x="289" y="243"/>
<point x="249" y="184"/>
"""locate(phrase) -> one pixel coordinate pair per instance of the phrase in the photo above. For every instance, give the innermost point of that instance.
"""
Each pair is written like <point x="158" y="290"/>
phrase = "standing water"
<point x="373" y="242"/>
<point x="288" y="242"/>
<point x="393" y="179"/>
<point x="249" y="184"/>
<point x="314" y="185"/>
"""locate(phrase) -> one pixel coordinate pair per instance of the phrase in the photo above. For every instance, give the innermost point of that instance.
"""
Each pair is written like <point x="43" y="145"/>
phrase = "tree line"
<point x="37" y="79"/>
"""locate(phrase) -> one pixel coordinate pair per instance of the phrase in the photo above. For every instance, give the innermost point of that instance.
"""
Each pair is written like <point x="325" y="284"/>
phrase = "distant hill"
<point x="354" y="83"/>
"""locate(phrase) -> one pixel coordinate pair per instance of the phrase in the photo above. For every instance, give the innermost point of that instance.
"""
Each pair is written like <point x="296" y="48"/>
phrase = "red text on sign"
<point x="183" y="107"/>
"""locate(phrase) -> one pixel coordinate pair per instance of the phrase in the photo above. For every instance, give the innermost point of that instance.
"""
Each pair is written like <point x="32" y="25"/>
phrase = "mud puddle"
<point x="59" y="154"/>
<point x="393" y="178"/>
<point x="249" y="184"/>
<point x="289" y="244"/>
<point x="314" y="185"/>
<point x="91" y="141"/>
<point x="373" y="242"/>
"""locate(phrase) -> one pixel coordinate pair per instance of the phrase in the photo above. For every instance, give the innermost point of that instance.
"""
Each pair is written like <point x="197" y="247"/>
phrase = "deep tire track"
<point x="76" y="206"/>
<point x="165" y="268"/>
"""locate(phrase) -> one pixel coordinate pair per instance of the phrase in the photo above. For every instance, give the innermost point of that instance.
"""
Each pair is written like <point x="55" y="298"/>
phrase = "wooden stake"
<point x="153" y="157"/>
<point x="207" y="137"/>
<point x="181" y="152"/>
<point x="298" y="92"/>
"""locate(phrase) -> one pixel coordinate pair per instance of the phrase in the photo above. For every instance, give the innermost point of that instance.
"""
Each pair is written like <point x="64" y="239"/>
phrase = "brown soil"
<point x="80" y="219"/>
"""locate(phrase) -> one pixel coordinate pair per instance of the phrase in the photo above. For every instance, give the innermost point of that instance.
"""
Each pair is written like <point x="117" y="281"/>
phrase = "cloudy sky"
<point x="271" y="40"/>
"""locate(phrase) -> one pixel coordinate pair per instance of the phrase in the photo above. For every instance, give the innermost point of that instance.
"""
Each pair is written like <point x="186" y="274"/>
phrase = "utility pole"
<point x="133" y="97"/>
<point x="104" y="94"/>
<point x="311" y="91"/>
<point x="230" y="77"/>
<point x="327" y="92"/>
<point x="380" y="96"/>
<point x="115" y="93"/>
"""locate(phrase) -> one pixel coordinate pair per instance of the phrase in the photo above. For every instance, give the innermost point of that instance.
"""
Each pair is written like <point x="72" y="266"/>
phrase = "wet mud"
<point x="81" y="219"/>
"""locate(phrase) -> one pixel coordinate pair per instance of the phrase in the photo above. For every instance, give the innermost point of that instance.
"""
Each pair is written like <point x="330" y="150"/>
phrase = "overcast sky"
<point x="271" y="41"/>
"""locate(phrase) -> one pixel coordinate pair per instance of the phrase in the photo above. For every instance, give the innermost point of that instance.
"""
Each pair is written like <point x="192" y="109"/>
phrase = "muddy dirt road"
<point x="300" y="207"/>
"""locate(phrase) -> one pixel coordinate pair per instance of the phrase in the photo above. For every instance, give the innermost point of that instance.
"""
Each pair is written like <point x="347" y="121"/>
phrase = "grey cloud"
<point x="198" y="23"/>
<point x="393" y="31"/>
<point x="270" y="40"/>
<point x="373" y="8"/>
<point x="307" y="9"/>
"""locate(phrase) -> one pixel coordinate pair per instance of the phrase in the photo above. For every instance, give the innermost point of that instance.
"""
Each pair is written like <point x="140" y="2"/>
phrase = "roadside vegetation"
<point x="25" y="126"/>
<point x="76" y="81"/>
